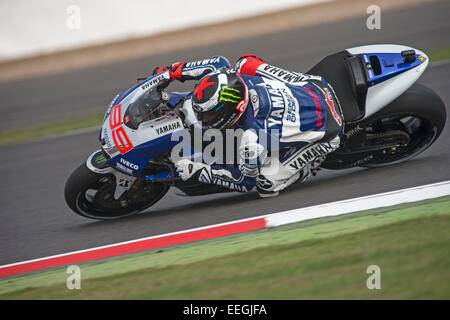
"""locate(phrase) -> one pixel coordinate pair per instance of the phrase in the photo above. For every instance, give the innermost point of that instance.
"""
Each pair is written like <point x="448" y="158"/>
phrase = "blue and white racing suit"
<point x="291" y="123"/>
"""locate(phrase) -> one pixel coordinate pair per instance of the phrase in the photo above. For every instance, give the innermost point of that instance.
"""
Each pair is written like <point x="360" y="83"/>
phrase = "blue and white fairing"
<point x="131" y="149"/>
<point x="389" y="75"/>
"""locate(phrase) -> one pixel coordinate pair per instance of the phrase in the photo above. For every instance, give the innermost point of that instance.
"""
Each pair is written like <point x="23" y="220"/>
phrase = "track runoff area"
<point x="386" y="199"/>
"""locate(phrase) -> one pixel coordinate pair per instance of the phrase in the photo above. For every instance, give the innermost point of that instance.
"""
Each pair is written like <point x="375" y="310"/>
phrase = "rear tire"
<point x="400" y="131"/>
<point x="100" y="204"/>
<point x="421" y="104"/>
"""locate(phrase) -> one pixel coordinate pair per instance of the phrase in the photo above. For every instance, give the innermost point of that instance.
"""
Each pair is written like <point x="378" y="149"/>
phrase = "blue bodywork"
<point x="134" y="161"/>
<point x="390" y="65"/>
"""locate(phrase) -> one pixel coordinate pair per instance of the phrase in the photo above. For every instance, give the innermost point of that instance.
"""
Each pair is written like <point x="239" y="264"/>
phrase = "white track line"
<point x="391" y="198"/>
<point x="386" y="199"/>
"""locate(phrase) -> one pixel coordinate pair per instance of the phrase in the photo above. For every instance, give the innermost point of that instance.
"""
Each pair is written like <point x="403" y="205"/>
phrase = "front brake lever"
<point x="140" y="79"/>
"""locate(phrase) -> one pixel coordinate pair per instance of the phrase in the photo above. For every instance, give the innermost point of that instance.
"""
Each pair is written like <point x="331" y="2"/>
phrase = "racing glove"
<point x="250" y="55"/>
<point x="159" y="70"/>
<point x="248" y="64"/>
<point x="174" y="71"/>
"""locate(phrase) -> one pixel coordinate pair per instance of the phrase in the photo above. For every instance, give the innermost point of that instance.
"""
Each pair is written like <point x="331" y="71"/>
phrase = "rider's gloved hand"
<point x="248" y="63"/>
<point x="159" y="70"/>
<point x="174" y="70"/>
<point x="187" y="169"/>
<point x="250" y="55"/>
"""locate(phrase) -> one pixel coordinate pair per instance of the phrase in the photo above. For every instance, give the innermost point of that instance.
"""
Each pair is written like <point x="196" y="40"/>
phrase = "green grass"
<point x="322" y="258"/>
<point x="24" y="134"/>
<point x="439" y="54"/>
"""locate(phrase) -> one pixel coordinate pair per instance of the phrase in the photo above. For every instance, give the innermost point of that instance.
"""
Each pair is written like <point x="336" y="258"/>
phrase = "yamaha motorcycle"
<point x="388" y="119"/>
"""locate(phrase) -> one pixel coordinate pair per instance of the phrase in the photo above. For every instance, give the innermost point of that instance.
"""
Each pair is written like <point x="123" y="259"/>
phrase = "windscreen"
<point x="144" y="108"/>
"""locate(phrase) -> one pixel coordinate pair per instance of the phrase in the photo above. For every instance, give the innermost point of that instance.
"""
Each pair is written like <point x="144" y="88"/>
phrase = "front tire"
<point x="90" y="195"/>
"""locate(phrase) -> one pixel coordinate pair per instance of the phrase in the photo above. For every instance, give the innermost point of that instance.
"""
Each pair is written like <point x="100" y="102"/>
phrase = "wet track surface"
<point x="35" y="220"/>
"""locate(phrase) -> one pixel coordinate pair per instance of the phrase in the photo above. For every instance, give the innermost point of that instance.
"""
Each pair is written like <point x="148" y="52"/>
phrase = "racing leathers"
<point x="292" y="121"/>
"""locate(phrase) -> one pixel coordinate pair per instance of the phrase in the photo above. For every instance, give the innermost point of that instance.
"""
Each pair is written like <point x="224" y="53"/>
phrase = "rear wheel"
<point x="91" y="195"/>
<point x="413" y="122"/>
<point x="397" y="133"/>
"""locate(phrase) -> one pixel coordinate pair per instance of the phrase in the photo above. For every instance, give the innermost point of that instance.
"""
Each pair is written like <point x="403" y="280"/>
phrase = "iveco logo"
<point x="129" y="164"/>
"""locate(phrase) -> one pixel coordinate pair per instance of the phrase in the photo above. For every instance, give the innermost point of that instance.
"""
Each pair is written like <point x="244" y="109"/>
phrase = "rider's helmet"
<point x="220" y="99"/>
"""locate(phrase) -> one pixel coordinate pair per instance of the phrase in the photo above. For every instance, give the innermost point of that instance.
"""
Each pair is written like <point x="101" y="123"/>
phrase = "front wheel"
<point x="91" y="195"/>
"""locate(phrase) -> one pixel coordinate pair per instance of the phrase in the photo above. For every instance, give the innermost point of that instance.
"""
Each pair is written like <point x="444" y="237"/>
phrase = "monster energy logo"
<point x="229" y="96"/>
<point x="100" y="158"/>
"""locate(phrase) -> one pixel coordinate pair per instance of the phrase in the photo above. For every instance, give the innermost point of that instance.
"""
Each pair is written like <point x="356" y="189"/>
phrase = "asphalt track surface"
<point x="35" y="221"/>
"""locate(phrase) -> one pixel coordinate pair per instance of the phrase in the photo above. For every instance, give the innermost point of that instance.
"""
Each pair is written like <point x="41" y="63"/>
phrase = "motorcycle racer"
<point x="299" y="111"/>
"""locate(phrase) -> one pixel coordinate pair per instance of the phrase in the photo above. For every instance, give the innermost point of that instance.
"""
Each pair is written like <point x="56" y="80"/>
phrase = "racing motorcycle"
<point x="388" y="119"/>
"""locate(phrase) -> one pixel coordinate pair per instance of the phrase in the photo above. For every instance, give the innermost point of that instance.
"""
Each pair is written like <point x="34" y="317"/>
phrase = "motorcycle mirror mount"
<point x="165" y="97"/>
